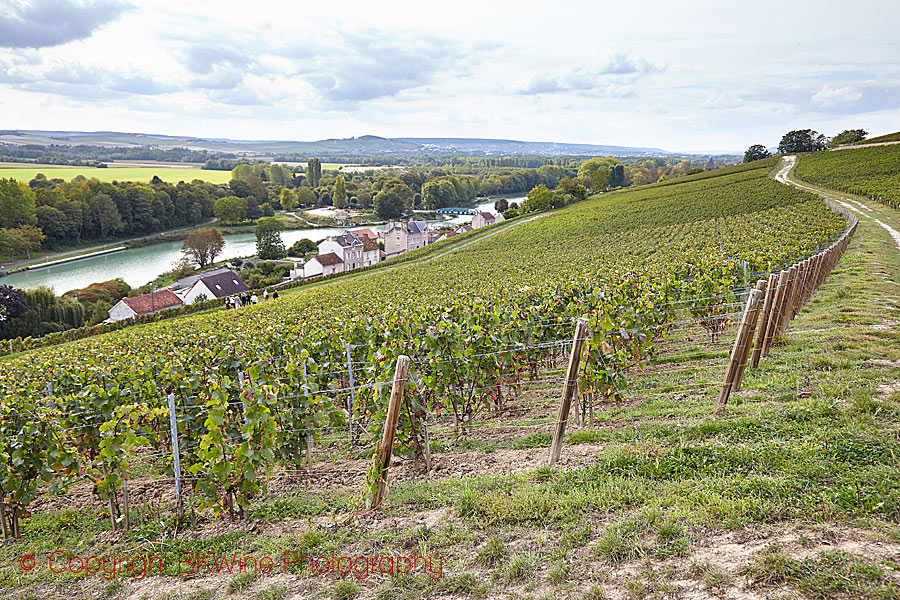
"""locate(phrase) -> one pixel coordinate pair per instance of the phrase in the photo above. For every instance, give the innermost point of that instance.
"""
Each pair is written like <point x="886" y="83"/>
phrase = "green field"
<point x="145" y="174"/>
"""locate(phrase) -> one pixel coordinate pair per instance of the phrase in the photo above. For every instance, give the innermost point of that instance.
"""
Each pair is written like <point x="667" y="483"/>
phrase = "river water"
<point x="137" y="266"/>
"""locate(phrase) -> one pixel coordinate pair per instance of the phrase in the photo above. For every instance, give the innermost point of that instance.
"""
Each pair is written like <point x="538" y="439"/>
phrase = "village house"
<point x="144" y="304"/>
<point x="483" y="219"/>
<point x="340" y="253"/>
<point x="323" y="264"/>
<point x="213" y="286"/>
<point x="404" y="236"/>
<point x="355" y="250"/>
<point x="347" y="247"/>
<point x="463" y="229"/>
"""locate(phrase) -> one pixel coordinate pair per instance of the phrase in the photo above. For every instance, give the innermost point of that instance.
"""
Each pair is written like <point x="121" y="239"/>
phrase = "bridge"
<point x="456" y="211"/>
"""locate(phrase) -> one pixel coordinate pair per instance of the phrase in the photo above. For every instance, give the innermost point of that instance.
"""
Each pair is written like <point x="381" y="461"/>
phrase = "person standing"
<point x="254" y="298"/>
<point x="266" y="295"/>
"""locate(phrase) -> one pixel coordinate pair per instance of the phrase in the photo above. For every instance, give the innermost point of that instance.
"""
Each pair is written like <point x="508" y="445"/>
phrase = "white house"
<point x="144" y="304"/>
<point x="218" y="285"/>
<point x="323" y="264"/>
<point x="483" y="219"/>
<point x="403" y="237"/>
<point x="355" y="251"/>
<point x="347" y="247"/>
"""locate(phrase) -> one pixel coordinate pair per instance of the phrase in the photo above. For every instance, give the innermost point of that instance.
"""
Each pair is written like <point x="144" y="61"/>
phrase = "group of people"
<point x="246" y="299"/>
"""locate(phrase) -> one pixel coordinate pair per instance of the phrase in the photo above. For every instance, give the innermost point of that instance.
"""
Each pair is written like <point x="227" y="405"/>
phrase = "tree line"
<point x="805" y="140"/>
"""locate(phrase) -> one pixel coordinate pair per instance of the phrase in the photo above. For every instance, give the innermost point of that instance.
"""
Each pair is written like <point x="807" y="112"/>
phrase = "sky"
<point x="682" y="76"/>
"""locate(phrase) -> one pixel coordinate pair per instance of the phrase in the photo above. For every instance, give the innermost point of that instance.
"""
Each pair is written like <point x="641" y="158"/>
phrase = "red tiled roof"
<point x="369" y="244"/>
<point x="153" y="302"/>
<point x="364" y="233"/>
<point x="329" y="259"/>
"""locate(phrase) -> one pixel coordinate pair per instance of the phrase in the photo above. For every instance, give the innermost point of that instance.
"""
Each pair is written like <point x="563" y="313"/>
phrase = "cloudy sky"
<point x="698" y="75"/>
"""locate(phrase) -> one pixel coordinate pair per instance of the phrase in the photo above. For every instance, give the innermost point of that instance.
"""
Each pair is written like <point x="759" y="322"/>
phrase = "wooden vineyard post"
<point x="3" y="515"/>
<point x="569" y="390"/>
<point x="745" y="352"/>
<point x="814" y="280"/>
<point x="125" y="506"/>
<point x="740" y="342"/>
<point x="243" y="404"/>
<point x="309" y="436"/>
<point x="351" y="402"/>
<point x="787" y="310"/>
<point x="176" y="455"/>
<point x="390" y="428"/>
<point x="764" y="320"/>
<point x="775" y="313"/>
<point x="427" y="441"/>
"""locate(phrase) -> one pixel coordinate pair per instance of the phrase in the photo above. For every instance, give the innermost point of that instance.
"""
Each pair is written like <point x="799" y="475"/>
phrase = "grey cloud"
<point x="203" y="59"/>
<point x="364" y="67"/>
<point x="142" y="86"/>
<point x="43" y="23"/>
<point x="75" y="80"/>
<point x="604" y="79"/>
<point x="242" y="96"/>
<point x="220" y="79"/>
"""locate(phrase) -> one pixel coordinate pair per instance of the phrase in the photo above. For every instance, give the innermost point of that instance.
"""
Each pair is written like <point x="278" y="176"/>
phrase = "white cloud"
<point x="832" y="95"/>
<point x="720" y="99"/>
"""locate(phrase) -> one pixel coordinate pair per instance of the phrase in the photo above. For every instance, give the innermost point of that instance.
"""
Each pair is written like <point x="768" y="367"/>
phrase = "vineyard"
<point x="871" y="172"/>
<point x="238" y="394"/>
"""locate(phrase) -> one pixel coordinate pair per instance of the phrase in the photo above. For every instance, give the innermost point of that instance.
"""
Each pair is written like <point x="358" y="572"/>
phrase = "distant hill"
<point x="367" y="145"/>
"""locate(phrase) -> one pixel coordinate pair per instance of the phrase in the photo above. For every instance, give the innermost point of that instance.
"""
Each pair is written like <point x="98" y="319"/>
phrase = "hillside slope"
<point x="795" y="491"/>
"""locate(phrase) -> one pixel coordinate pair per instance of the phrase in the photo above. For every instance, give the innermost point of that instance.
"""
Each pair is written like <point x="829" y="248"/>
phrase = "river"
<point x="137" y="266"/>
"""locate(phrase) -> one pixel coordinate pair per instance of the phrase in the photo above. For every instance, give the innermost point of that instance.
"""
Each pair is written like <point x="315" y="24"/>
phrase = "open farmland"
<point x="169" y="174"/>
<point x="652" y="498"/>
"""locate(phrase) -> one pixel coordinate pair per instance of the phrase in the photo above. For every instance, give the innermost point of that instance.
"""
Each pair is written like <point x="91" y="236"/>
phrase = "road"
<point x="860" y="209"/>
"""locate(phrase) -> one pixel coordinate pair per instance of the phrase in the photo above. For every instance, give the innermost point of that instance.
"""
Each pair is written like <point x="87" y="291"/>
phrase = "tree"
<point x="617" y="176"/>
<point x="17" y="204"/>
<point x="269" y="245"/>
<point x="848" y="136"/>
<point x="203" y="245"/>
<point x="756" y="152"/>
<point x="53" y="222"/>
<point x="12" y="302"/>
<point x="389" y="204"/>
<point x="340" y="193"/>
<point x="306" y="197"/>
<point x="27" y="238"/>
<point x="302" y="247"/>
<point x="230" y="209"/>
<point x="313" y="172"/>
<point x="501" y="205"/>
<point x="106" y="215"/>
<point x="539" y="199"/>
<point x="287" y="199"/>
<point x="802" y="140"/>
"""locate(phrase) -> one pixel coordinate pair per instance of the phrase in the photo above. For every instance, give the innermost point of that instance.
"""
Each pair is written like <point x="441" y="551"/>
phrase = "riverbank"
<point x="68" y="259"/>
